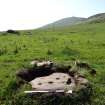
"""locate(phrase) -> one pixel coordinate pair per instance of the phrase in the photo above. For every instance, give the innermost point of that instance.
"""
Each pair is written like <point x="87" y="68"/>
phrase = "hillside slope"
<point x="76" y="20"/>
<point x="98" y="18"/>
<point x="65" y="22"/>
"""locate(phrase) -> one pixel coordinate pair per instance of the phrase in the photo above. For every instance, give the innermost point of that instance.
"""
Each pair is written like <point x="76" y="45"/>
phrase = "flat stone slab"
<point x="53" y="82"/>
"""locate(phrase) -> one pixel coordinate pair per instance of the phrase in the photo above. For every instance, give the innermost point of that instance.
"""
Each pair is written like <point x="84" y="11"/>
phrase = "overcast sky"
<point x="30" y="14"/>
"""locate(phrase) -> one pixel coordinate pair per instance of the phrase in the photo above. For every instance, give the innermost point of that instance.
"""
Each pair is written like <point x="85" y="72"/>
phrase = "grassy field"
<point x="85" y="42"/>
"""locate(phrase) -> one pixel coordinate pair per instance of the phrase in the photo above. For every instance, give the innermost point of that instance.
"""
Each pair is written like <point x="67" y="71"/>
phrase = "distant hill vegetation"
<point x="98" y="18"/>
<point x="65" y="22"/>
<point x="76" y="20"/>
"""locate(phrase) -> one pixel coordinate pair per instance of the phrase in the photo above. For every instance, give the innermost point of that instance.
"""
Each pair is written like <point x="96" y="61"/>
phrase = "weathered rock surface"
<point x="53" y="82"/>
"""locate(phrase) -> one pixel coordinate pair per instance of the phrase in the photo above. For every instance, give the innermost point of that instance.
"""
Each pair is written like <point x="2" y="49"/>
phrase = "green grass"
<point x="85" y="42"/>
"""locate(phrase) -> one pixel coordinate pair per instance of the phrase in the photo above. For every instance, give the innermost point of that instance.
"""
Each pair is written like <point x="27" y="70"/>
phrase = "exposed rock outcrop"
<point x="46" y="75"/>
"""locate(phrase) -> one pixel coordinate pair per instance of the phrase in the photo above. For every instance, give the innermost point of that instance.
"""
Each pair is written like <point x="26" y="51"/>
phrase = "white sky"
<point x="30" y="14"/>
